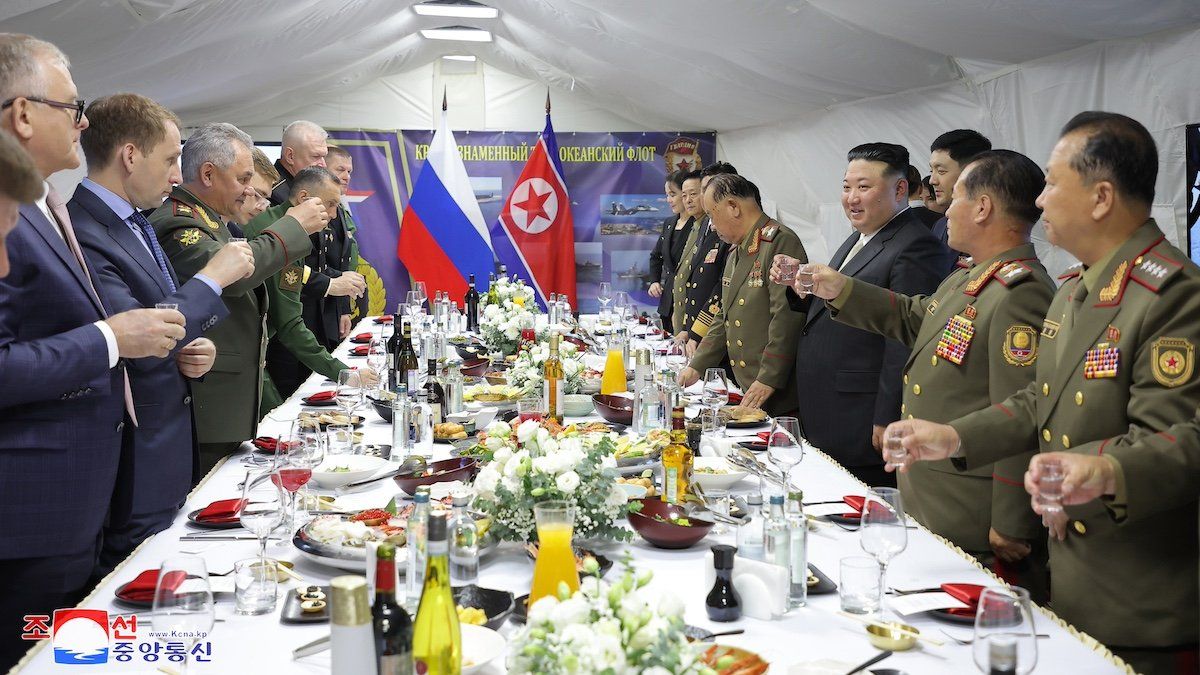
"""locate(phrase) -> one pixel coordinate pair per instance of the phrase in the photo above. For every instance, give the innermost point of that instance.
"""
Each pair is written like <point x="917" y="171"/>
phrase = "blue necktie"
<point x="152" y="243"/>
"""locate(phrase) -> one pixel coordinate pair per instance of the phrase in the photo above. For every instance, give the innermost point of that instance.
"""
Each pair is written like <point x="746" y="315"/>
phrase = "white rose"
<point x="615" y="497"/>
<point x="494" y="443"/>
<point x="545" y="464"/>
<point x="648" y="634"/>
<point x="528" y="429"/>
<point x="502" y="454"/>
<point x="512" y="333"/>
<point x="548" y="446"/>
<point x="491" y="311"/>
<point x="670" y="605"/>
<point x="567" y="482"/>
<point x="574" y="610"/>
<point x="487" y="479"/>
<point x="541" y="610"/>
<point x="572" y="368"/>
<point x="499" y="428"/>
<point x="542" y="436"/>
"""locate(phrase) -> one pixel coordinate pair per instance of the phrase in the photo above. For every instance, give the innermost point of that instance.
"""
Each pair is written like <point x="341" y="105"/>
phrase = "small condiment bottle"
<point x="722" y="603"/>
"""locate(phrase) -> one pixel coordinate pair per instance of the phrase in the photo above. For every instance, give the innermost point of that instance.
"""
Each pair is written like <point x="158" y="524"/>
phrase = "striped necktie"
<point x="147" y="231"/>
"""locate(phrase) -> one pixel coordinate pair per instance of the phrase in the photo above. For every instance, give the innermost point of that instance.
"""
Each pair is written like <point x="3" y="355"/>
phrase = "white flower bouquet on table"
<point x="507" y="305"/>
<point x="528" y="371"/>
<point x="530" y="465"/>
<point x="606" y="628"/>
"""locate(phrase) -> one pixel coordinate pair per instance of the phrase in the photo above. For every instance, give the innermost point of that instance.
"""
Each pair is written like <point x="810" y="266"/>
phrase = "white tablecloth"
<point x="263" y="645"/>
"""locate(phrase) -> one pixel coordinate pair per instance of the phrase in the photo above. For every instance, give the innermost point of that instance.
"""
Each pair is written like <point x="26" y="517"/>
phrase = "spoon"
<point x="701" y="635"/>
<point x="869" y="662"/>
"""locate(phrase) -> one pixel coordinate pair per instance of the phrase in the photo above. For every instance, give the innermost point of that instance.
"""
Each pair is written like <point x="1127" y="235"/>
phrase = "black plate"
<point x="746" y="425"/>
<point x="359" y="341"/>
<point x="382" y="408"/>
<point x="844" y="520"/>
<point x="945" y="616"/>
<point x="209" y="525"/>
<point x="824" y="585"/>
<point x="520" y="613"/>
<point x="292" y="614"/>
<point x="328" y="403"/>
<point x="756" y="446"/>
<point x="377" y="450"/>
<point x="497" y="605"/>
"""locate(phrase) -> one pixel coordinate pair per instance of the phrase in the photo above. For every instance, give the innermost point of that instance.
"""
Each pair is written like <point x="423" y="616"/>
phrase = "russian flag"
<point x="535" y="232"/>
<point x="443" y="238"/>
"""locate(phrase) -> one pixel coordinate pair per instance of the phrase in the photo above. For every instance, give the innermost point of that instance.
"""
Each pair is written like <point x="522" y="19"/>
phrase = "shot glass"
<point x="1050" y="480"/>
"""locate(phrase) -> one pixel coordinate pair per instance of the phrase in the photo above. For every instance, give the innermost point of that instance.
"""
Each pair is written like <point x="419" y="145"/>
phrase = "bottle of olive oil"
<point x="677" y="459"/>
<point x="553" y="371"/>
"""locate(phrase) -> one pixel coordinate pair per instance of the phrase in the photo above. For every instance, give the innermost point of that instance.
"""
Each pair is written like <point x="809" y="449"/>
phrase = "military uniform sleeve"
<point x="779" y="355"/>
<point x="1013" y="330"/>
<point x="284" y="317"/>
<point x="880" y="310"/>
<point x="998" y="431"/>
<point x="279" y="244"/>
<point x="187" y="243"/>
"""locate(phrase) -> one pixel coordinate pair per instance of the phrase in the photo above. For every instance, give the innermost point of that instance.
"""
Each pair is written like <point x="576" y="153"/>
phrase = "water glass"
<point x="1005" y="634"/>
<point x="262" y="507"/>
<point x="1050" y="480"/>
<point x="256" y="586"/>
<point x="859" y="585"/>
<point x="715" y="394"/>
<point x="340" y="439"/>
<point x="183" y="604"/>
<point x="349" y="390"/>
<point x="805" y="274"/>
<point x="717" y="501"/>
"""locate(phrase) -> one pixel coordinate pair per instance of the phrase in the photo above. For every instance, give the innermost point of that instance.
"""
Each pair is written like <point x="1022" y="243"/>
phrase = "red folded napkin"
<point x="386" y="318"/>
<point x="142" y="588"/>
<point x="734" y="398"/>
<point x="764" y="434"/>
<point x="321" y="396"/>
<point x="265" y="443"/>
<point x="965" y="593"/>
<point x="222" y="510"/>
<point x="366" y="337"/>
<point x="361" y="350"/>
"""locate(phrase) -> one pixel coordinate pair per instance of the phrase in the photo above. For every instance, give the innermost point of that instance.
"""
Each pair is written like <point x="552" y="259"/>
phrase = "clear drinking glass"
<point x="859" y="585"/>
<point x="884" y="531"/>
<point x="1005" y="631"/>
<point x="255" y="585"/>
<point x="805" y="274"/>
<point x="785" y="447"/>
<point x="787" y="271"/>
<point x="183" y="604"/>
<point x="421" y="291"/>
<point x="377" y="361"/>
<point x="604" y="294"/>
<point x="715" y="395"/>
<point x="894" y="452"/>
<point x="349" y="391"/>
<point x="339" y="439"/>
<point x="717" y="500"/>
<point x="1050" y="480"/>
<point x="262" y="507"/>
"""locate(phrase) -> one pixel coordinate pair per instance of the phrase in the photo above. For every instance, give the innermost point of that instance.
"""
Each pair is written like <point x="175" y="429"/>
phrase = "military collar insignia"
<point x="753" y="249"/>
<point x="977" y="285"/>
<point x="1111" y="293"/>
<point x="1172" y="361"/>
<point x="970" y="312"/>
<point x="212" y="225"/>
<point x="1050" y="329"/>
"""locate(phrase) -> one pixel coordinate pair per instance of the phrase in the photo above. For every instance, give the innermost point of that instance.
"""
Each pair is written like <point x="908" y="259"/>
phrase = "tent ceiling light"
<point x="469" y="58"/>
<point x="462" y="9"/>
<point x="459" y="33"/>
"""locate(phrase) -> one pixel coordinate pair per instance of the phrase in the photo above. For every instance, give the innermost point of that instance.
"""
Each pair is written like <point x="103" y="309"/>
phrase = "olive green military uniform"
<point x="1116" y="356"/>
<point x="227" y="398"/>
<point x="974" y="343"/>
<point x="754" y="326"/>
<point x="284" y="321"/>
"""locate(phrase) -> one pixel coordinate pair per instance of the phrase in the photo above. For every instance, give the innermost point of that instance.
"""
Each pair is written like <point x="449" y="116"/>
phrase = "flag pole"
<point x="444" y="98"/>
<point x="547" y="100"/>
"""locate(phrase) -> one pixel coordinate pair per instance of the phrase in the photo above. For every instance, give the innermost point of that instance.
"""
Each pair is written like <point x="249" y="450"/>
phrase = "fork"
<point x="967" y="641"/>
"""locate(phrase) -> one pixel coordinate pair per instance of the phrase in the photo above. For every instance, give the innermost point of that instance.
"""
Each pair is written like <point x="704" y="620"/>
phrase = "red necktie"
<point x="59" y="209"/>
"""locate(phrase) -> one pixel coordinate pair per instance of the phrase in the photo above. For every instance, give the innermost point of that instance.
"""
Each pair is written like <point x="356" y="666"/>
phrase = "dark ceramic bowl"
<point x="474" y="367"/>
<point x="667" y="534"/>
<point x="384" y="408"/>
<point x="615" y="409"/>
<point x="497" y="605"/>
<point x="458" y="468"/>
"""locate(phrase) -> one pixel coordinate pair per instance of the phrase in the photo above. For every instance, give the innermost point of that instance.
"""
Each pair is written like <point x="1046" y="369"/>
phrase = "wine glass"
<point x="295" y="457"/>
<point x="604" y="296"/>
<point x="349" y="391"/>
<point x="420" y="289"/>
<point x="785" y="447"/>
<point x="622" y="306"/>
<point x="183" y="603"/>
<point x="1005" y="635"/>
<point x="262" y="508"/>
<point x="884" y="531"/>
<point x="716" y="394"/>
<point x="377" y="360"/>
<point x="675" y="358"/>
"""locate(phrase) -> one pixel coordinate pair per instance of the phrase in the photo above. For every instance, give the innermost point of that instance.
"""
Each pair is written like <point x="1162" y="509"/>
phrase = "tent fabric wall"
<point x="799" y="163"/>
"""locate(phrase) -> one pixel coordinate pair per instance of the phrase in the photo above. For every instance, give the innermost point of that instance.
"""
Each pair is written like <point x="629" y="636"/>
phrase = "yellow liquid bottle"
<point x="677" y="461"/>
<point x="613" y="379"/>
<point x="553" y="372"/>
<point x="555" y="562"/>
<point x="437" y="637"/>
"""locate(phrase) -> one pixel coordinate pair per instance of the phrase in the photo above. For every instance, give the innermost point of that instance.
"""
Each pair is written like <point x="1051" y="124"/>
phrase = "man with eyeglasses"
<point x="65" y="403"/>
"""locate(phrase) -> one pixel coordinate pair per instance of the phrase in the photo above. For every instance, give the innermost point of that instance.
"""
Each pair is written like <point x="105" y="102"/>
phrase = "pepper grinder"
<point x="722" y="603"/>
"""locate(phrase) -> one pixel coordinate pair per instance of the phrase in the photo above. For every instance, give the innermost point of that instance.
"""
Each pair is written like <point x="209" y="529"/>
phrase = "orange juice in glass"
<point x="555" y="560"/>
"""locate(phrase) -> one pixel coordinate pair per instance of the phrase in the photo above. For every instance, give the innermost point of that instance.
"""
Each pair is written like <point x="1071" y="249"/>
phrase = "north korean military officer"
<point x="682" y="312"/>
<point x="1116" y="357"/>
<point x="217" y="169"/>
<point x="974" y="342"/>
<point x="754" y="327"/>
<point x="284" y="321"/>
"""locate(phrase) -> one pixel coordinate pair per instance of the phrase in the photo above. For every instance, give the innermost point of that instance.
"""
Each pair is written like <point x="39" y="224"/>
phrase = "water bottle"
<point x="464" y="544"/>
<point x="750" y="531"/>
<point x="415" y="530"/>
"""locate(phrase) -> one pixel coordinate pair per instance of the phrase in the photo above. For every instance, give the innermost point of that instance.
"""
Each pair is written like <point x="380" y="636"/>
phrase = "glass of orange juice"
<point x="555" y="562"/>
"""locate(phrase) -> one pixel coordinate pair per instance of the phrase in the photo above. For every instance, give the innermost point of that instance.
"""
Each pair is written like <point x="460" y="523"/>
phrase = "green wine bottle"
<point x="437" y="638"/>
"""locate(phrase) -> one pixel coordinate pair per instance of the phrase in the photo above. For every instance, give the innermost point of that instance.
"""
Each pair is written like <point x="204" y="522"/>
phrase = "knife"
<point x="218" y="537"/>
<point x="315" y="647"/>
<point x="347" y="487"/>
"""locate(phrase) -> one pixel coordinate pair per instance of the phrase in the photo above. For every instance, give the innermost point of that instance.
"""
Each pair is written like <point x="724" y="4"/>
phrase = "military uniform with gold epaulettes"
<point x="973" y="342"/>
<point x="285" y="324"/>
<point x="699" y="282"/>
<point x="754" y="326"/>
<point x="191" y="233"/>
<point x="1116" y="356"/>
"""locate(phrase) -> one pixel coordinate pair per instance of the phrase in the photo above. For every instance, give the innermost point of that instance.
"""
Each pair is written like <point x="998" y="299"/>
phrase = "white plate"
<point x="480" y="646"/>
<point x="632" y="491"/>
<point x="361" y="467"/>
<point x="715" y="481"/>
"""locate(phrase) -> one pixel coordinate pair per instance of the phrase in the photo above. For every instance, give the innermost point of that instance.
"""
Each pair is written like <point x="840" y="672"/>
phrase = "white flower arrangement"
<point x="530" y="465"/>
<point x="528" y="371"/>
<point x="507" y="305"/>
<point x="606" y="628"/>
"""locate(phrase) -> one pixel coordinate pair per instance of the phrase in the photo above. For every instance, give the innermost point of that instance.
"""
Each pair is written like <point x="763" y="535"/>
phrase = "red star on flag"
<point x="534" y="205"/>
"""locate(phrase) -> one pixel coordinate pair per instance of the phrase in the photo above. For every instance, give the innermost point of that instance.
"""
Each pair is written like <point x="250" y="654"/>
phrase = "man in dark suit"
<point x="326" y="288"/>
<point x="948" y="154"/>
<point x="20" y="183"/>
<point x="132" y="149"/>
<point x="849" y="379"/>
<point x="915" y="201"/>
<point x="64" y="400"/>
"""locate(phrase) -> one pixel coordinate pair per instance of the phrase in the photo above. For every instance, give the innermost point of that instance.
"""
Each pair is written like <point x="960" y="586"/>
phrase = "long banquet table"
<point x="815" y="633"/>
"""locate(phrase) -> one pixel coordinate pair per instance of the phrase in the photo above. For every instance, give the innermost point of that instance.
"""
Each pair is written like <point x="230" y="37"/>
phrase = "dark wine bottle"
<point x="722" y="602"/>
<point x="393" y="627"/>
<point x="393" y="353"/>
<point x="407" y="365"/>
<point x="471" y="305"/>
<point x="437" y="395"/>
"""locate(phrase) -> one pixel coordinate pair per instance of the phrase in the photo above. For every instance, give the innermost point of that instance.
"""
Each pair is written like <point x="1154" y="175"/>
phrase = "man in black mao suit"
<point x="132" y="147"/>
<point x="849" y="380"/>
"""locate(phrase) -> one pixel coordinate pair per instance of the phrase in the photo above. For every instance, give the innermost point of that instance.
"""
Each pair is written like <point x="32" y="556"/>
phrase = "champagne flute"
<point x="884" y="531"/>
<point x="349" y="391"/>
<point x="1005" y="634"/>
<point x="715" y="395"/>
<point x="183" y="603"/>
<point x="785" y="447"/>
<point x="262" y="508"/>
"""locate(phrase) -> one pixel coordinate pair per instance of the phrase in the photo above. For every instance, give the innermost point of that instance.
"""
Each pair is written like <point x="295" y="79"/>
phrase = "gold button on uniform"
<point x="903" y="408"/>
<point x="739" y="343"/>
<point x="1066" y="441"/>
<point x="1079" y="527"/>
<point x="933" y="361"/>
<point x="1079" y="398"/>
<point x="737" y="322"/>
<point x="1045" y="389"/>
<point x="741" y="364"/>
<point x="1046" y="435"/>
<point x="741" y="301"/>
<point x="906" y="378"/>
<point x="917" y="389"/>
